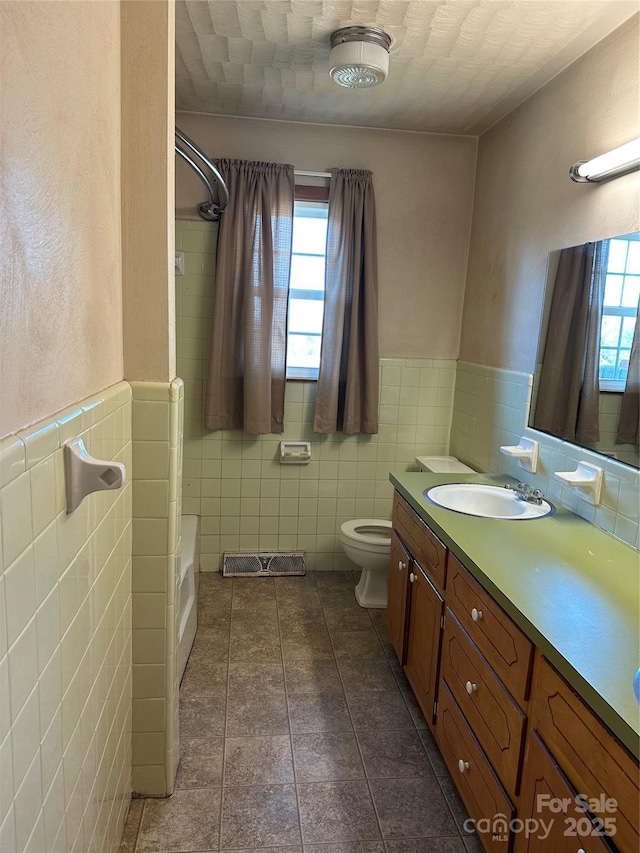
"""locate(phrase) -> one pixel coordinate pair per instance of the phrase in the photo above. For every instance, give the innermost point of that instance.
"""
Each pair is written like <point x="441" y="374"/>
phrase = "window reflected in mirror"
<point x="587" y="383"/>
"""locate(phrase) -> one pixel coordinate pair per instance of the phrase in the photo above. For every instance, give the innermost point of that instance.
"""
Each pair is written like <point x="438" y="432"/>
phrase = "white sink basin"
<point x="486" y="501"/>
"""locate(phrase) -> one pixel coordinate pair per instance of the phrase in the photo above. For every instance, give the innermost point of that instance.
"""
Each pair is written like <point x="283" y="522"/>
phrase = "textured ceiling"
<point x="455" y="66"/>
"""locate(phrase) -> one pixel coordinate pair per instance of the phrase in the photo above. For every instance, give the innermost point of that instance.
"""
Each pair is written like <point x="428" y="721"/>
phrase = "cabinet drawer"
<point x="494" y="717"/>
<point x="548" y="798"/>
<point x="497" y="636"/>
<point x="423" y="544"/>
<point x="477" y="784"/>
<point x="593" y="760"/>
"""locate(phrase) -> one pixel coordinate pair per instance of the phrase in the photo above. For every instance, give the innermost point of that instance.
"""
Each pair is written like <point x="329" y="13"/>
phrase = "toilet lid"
<point x="372" y="531"/>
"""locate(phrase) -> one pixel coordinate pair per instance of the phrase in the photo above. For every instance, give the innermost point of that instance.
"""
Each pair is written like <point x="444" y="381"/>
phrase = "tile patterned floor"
<point x="299" y="731"/>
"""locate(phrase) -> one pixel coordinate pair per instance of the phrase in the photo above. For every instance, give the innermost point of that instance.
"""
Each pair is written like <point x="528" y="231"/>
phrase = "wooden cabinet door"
<point x="397" y="594"/>
<point x="549" y="811"/>
<point x="423" y="644"/>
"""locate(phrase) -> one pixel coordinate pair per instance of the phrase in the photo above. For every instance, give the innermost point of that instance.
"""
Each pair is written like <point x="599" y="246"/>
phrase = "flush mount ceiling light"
<point x="614" y="163"/>
<point x="359" y="56"/>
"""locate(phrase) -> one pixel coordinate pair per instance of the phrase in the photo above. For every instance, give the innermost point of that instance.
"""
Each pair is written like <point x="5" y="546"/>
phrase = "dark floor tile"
<point x="336" y="811"/>
<point x="346" y="847"/>
<point x="214" y="618"/>
<point x="472" y="844"/>
<point x="366" y="676"/>
<point x="255" y="645"/>
<point x="349" y="618"/>
<point x="427" y="845"/>
<point x="379" y="620"/>
<point x="253" y="594"/>
<point x="202" y="716"/>
<point x="327" y="757"/>
<point x="308" y="642"/>
<point x="414" y="709"/>
<point x="383" y="711"/>
<point x="256" y="714"/>
<point x="412" y="808"/>
<point x="458" y="810"/>
<point x="251" y="620"/>
<point x="300" y="621"/>
<point x="356" y="645"/>
<point x="186" y="821"/>
<point x="394" y="754"/>
<point x="318" y="712"/>
<point x="131" y="827"/>
<point x="258" y="760"/>
<point x="344" y="581"/>
<point x="203" y="676"/>
<point x="256" y="678"/>
<point x="211" y="643"/>
<point x="433" y="752"/>
<point x="340" y="599"/>
<point x="312" y="676"/>
<point x="200" y="762"/>
<point x="259" y="816"/>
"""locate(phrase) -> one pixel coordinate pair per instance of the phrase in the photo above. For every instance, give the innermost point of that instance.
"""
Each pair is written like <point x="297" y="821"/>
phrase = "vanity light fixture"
<point x="359" y="57"/>
<point x="614" y="163"/>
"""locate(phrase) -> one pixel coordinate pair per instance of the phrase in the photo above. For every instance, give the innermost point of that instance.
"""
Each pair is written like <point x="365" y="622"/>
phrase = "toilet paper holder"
<point x="84" y="473"/>
<point x="295" y="452"/>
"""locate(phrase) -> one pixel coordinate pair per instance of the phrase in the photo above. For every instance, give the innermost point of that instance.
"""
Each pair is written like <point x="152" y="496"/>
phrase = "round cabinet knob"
<point x="463" y="766"/>
<point x="413" y="577"/>
<point x="401" y="566"/>
<point x="471" y="687"/>
<point x="476" y="615"/>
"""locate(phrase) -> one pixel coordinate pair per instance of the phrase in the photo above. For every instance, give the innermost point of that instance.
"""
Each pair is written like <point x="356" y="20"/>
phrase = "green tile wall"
<point x="245" y="498"/>
<point x="491" y="408"/>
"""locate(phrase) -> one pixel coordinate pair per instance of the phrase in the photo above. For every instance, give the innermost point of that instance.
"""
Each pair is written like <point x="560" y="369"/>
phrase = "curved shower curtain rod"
<point x="209" y="210"/>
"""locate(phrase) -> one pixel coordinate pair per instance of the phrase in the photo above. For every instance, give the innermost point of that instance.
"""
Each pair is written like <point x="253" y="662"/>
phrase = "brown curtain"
<point x="630" y="406"/>
<point x="347" y="393"/>
<point x="569" y="393"/>
<point x="246" y="380"/>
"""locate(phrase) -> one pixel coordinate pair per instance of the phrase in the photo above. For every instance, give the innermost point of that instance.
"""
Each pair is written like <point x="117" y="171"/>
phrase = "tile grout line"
<point x="286" y="695"/>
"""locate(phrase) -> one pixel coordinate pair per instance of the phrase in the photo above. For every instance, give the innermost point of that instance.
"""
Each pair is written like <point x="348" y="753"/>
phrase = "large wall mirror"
<point x="587" y="385"/>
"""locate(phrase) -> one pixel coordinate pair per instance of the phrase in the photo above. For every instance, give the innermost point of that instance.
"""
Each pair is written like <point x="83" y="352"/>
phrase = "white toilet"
<point x="367" y="543"/>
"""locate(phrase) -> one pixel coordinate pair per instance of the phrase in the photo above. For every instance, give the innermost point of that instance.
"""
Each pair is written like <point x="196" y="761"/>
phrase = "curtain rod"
<point x="304" y="174"/>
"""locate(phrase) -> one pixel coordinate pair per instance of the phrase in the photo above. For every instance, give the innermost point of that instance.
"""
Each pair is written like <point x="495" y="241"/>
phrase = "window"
<point x="620" y="311"/>
<point x="306" y="285"/>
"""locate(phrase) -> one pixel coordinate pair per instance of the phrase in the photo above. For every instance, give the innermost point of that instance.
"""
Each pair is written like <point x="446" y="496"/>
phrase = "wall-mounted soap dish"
<point x="84" y="474"/>
<point x="526" y="452"/>
<point x="586" y="479"/>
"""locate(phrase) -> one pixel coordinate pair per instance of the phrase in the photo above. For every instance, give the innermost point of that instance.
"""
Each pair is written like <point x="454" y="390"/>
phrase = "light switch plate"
<point x="179" y="263"/>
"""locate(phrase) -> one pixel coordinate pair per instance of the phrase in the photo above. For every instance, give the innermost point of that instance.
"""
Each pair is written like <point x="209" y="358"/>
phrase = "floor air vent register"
<point x="244" y="564"/>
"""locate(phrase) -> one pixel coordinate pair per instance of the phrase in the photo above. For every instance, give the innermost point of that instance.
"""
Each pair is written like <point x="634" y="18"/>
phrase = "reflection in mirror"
<point x="587" y="386"/>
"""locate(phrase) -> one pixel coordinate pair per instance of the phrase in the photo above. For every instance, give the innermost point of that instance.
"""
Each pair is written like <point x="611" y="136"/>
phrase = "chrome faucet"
<point x="526" y="493"/>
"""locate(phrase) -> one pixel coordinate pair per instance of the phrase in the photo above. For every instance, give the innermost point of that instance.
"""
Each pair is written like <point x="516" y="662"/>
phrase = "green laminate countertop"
<point x="573" y="589"/>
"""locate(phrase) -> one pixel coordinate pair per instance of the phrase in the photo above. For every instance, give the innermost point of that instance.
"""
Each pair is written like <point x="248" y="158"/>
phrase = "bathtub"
<point x="188" y="591"/>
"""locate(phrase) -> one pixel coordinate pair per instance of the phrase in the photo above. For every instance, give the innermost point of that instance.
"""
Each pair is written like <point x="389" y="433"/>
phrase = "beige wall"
<point x="61" y="317"/>
<point x="148" y="37"/>
<point x="526" y="205"/>
<point x="423" y="185"/>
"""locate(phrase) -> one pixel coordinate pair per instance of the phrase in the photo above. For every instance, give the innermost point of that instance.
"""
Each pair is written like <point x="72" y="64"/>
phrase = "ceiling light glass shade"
<point x="617" y="162"/>
<point x="359" y="57"/>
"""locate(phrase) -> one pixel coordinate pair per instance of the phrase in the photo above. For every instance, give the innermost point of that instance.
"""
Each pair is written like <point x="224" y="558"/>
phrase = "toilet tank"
<point x="443" y="465"/>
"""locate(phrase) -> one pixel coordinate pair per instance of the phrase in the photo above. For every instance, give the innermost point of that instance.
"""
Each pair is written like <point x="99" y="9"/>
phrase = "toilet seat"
<point x="372" y="532"/>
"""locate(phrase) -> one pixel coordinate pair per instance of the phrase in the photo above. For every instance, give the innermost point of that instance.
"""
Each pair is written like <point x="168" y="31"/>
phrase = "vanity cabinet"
<point x="596" y="764"/>
<point x="397" y="595"/>
<point x="425" y="626"/>
<point x="418" y="559"/>
<point x="509" y="727"/>
<point x="544" y="786"/>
